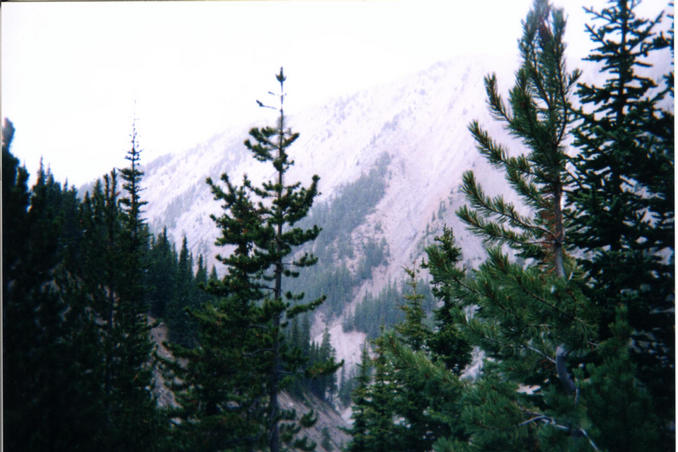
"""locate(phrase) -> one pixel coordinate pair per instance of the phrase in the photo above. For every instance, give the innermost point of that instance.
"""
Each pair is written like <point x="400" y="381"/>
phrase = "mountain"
<point x="394" y="154"/>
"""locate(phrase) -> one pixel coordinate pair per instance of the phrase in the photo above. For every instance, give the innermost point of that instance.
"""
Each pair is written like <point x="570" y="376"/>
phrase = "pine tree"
<point x="447" y="343"/>
<point x="242" y="333"/>
<point x="213" y="274"/>
<point x="425" y="398"/>
<point x="136" y="419"/>
<point x="411" y="404"/>
<point x="15" y="202"/>
<point x="161" y="280"/>
<point x="181" y="325"/>
<point x="289" y="204"/>
<point x="413" y="331"/>
<point x="199" y="296"/>
<point x="105" y="233"/>
<point x="49" y="402"/>
<point x="77" y="326"/>
<point x="624" y="200"/>
<point x="361" y="398"/>
<point x="326" y="385"/>
<point x="423" y="394"/>
<point x="527" y="319"/>
<point x="380" y="412"/>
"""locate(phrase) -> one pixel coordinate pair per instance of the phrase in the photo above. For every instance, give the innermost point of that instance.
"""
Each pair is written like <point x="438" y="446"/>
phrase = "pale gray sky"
<point x="75" y="74"/>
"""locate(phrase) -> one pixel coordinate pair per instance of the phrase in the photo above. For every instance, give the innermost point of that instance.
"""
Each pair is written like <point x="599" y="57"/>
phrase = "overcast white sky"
<point x="75" y="74"/>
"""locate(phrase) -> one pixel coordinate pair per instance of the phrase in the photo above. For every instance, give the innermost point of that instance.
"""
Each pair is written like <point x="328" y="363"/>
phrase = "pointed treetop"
<point x="7" y="133"/>
<point x="281" y="77"/>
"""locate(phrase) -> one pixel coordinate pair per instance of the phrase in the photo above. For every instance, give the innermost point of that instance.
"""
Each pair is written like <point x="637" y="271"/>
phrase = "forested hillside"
<point x="469" y="259"/>
<point x="84" y="284"/>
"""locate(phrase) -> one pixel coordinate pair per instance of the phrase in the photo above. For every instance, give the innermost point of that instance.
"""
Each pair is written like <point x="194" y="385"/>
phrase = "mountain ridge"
<point x="419" y="123"/>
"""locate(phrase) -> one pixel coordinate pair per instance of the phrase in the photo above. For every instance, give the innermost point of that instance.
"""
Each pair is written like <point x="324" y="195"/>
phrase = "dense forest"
<point x="568" y="323"/>
<point x="85" y="282"/>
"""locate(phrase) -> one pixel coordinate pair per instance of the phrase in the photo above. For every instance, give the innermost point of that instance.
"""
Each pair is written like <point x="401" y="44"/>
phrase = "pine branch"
<point x="538" y="417"/>
<point x="498" y="207"/>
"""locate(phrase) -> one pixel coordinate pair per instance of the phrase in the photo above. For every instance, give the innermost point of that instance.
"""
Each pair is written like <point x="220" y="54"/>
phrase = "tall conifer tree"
<point x="136" y="416"/>
<point x="246" y="323"/>
<point x="624" y="200"/>
<point x="527" y="319"/>
<point x="52" y="373"/>
<point x="360" y="397"/>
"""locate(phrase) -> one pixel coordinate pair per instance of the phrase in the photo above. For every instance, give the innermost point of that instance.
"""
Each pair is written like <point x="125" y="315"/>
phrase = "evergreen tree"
<point x="550" y="313"/>
<point x="278" y="235"/>
<point x="624" y="201"/>
<point x="213" y="274"/>
<point x="527" y="319"/>
<point x="380" y="413"/>
<point x="411" y="404"/>
<point x="323" y="386"/>
<point x="425" y="398"/>
<point x="446" y="342"/>
<point x="181" y="325"/>
<point x="104" y="260"/>
<point x="113" y="273"/>
<point x="136" y="420"/>
<point x="161" y="281"/>
<point x="359" y="433"/>
<point x="200" y="295"/>
<point x="422" y="394"/>
<point x="15" y="202"/>
<point x="52" y="397"/>
<point x="242" y="334"/>
<point x="221" y="390"/>
<point x="201" y="274"/>
<point x="412" y="330"/>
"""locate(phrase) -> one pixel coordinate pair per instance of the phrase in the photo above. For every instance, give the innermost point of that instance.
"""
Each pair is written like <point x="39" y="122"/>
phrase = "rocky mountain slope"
<point x="415" y="129"/>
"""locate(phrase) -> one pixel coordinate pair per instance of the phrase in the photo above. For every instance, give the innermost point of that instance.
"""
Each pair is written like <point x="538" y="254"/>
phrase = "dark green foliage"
<point x="161" y="280"/>
<point x="15" y="202"/>
<point x="411" y="402"/>
<point x="373" y="428"/>
<point x="133" y="413"/>
<point x="530" y="318"/>
<point x="228" y="391"/>
<point x="77" y="352"/>
<point x="616" y="400"/>
<point x="334" y="279"/>
<point x="173" y="289"/>
<point x="446" y="342"/>
<point x="316" y="379"/>
<point x="416" y="430"/>
<point x="221" y="392"/>
<point x="375" y="312"/>
<point x="425" y="397"/>
<point x="624" y="196"/>
<point x="380" y="408"/>
<point x="382" y="310"/>
<point x="49" y="402"/>
<point x="186" y="296"/>
<point x="361" y="398"/>
<point x="413" y="332"/>
<point x="323" y="386"/>
<point x="578" y="347"/>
